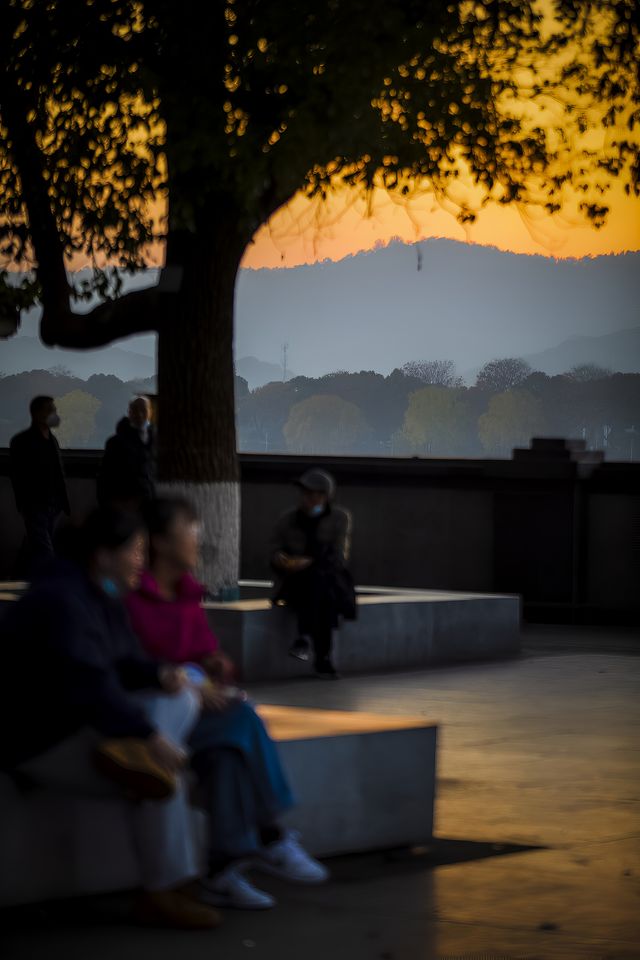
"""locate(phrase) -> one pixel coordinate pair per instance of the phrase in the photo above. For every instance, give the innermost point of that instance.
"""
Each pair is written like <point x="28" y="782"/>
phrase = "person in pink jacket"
<point x="241" y="781"/>
<point x="176" y="629"/>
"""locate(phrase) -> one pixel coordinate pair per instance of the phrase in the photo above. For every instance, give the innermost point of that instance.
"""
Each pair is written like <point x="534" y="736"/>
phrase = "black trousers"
<point x="311" y="595"/>
<point x="321" y="638"/>
<point x="39" y="526"/>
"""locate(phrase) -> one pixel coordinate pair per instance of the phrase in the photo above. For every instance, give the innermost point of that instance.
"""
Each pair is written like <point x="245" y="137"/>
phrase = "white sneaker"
<point x="301" y="649"/>
<point x="230" y="888"/>
<point x="288" y="860"/>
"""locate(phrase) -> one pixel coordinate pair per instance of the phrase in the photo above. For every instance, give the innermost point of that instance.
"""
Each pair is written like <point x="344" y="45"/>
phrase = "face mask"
<point x="316" y="510"/>
<point x="110" y="587"/>
<point x="53" y="420"/>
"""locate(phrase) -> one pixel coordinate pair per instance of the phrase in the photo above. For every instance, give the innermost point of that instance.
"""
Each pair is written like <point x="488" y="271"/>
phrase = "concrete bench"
<point x="363" y="781"/>
<point x="395" y="630"/>
<point x="10" y="591"/>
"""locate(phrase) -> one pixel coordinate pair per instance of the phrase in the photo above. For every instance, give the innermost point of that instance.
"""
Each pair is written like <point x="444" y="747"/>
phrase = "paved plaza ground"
<point x="537" y="824"/>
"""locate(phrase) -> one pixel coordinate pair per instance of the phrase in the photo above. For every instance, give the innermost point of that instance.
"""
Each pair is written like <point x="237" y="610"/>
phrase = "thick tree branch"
<point x="141" y="311"/>
<point x="138" y="312"/>
<point x="47" y="242"/>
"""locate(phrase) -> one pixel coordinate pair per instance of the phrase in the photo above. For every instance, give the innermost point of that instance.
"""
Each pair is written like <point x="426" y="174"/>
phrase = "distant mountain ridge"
<point x="439" y="299"/>
<point x="27" y="353"/>
<point x="258" y="372"/>
<point x="618" y="351"/>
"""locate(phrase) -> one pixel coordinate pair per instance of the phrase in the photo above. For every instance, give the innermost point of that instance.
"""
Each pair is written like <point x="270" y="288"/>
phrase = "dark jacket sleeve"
<point x="91" y="685"/>
<point x="342" y="544"/>
<point x="18" y="468"/>
<point x="138" y="674"/>
<point x="108" y="472"/>
<point x="99" y="697"/>
<point x="29" y="481"/>
<point x="127" y="467"/>
<point x="135" y="668"/>
<point x="62" y="483"/>
<point x="278" y="540"/>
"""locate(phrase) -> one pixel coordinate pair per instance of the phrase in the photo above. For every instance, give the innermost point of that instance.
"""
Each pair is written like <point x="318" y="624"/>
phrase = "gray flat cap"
<point x="318" y="481"/>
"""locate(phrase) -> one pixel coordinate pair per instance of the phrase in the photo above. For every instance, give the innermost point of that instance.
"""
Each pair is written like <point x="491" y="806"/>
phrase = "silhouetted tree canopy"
<point x="588" y="371"/>
<point x="105" y="106"/>
<point x="437" y="373"/>
<point x="511" y="420"/>
<point x="325" y="423"/>
<point x="124" y="122"/>
<point x="417" y="420"/>
<point x="499" y="375"/>
<point x="436" y="423"/>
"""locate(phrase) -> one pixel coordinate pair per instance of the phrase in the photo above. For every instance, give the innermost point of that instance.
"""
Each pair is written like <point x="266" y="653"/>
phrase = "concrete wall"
<point x="613" y="551"/>
<point x="566" y="536"/>
<point x="401" y="537"/>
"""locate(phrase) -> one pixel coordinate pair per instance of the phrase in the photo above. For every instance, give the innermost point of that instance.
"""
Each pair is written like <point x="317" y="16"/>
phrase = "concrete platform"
<point x="395" y="630"/>
<point x="540" y="751"/>
<point x="363" y="782"/>
<point x="10" y="591"/>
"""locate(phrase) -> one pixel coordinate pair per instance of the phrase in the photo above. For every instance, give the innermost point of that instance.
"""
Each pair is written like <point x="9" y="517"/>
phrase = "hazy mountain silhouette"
<point x="258" y="372"/>
<point x="28" y="353"/>
<point x="618" y="351"/>
<point x="377" y="310"/>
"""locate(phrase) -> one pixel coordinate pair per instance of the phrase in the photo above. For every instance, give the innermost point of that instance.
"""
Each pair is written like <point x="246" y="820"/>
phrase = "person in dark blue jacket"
<point x="80" y="680"/>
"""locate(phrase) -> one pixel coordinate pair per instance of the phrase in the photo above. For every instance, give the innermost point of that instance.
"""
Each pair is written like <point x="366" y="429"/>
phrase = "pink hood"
<point x="174" y="630"/>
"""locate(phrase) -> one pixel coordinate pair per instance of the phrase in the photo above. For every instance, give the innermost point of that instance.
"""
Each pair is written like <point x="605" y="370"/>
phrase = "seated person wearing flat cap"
<point x="310" y="552"/>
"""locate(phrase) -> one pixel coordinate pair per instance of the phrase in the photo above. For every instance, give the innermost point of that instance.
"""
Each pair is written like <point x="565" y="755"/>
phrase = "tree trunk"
<point x="196" y="411"/>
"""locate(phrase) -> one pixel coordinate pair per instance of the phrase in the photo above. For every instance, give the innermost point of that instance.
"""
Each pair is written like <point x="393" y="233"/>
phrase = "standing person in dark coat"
<point x="38" y="480"/>
<point x="310" y="552"/>
<point x="127" y="474"/>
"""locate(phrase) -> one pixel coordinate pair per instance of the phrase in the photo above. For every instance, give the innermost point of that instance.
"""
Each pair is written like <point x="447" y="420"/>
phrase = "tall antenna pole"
<point x="285" y="351"/>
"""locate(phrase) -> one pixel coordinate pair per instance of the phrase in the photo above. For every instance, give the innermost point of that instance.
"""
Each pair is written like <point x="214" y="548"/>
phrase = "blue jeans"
<point x="242" y="785"/>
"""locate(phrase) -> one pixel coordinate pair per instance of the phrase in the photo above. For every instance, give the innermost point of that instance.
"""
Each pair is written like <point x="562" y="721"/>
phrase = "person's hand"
<point x="219" y="667"/>
<point x="172" y="679"/>
<point x="213" y="697"/>
<point x="282" y="559"/>
<point x="166" y="754"/>
<point x="293" y="564"/>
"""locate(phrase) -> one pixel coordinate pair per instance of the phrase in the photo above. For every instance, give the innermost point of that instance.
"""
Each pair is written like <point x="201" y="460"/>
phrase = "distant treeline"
<point x="89" y="408"/>
<point x="422" y="409"/>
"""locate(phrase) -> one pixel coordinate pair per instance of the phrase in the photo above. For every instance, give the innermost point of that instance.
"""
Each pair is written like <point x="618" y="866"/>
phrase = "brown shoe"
<point x="128" y="762"/>
<point x="171" y="908"/>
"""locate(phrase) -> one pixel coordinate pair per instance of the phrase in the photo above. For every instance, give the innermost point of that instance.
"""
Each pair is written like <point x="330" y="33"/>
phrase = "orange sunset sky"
<point x="308" y="231"/>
